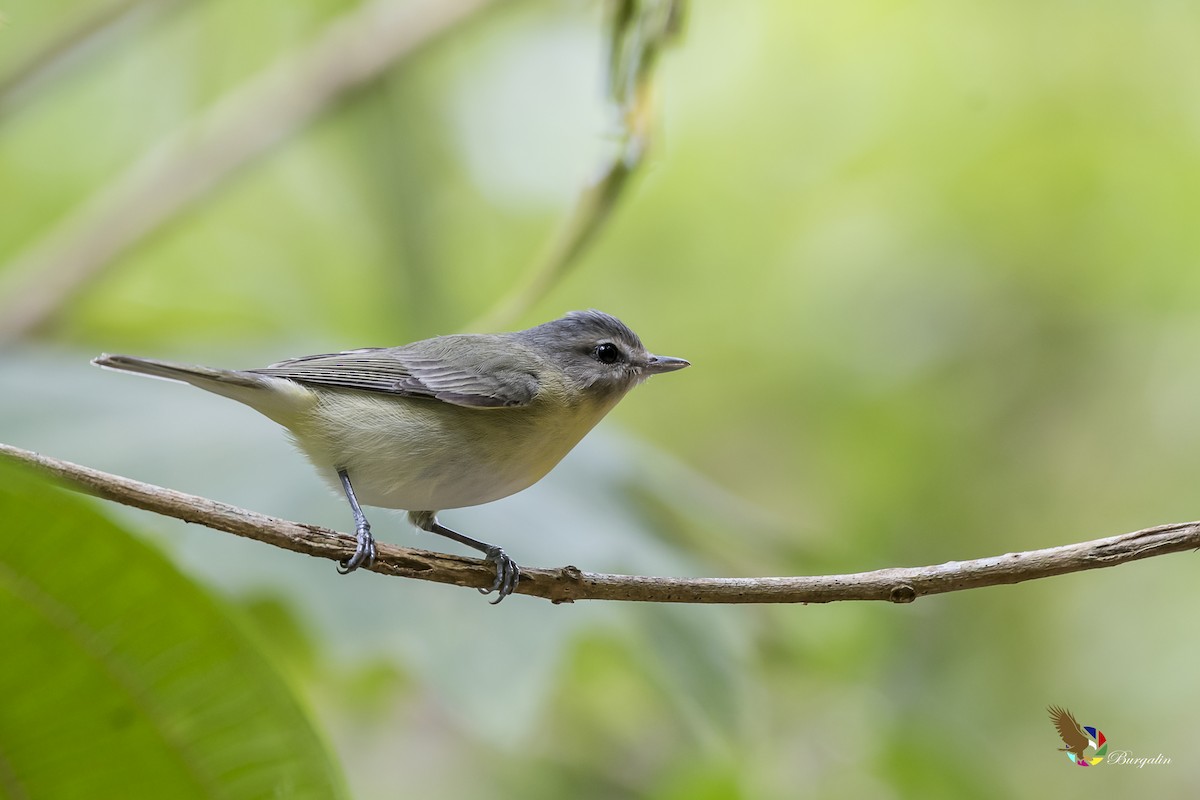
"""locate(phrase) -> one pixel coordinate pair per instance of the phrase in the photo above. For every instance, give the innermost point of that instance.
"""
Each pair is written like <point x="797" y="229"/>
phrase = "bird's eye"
<point x="607" y="353"/>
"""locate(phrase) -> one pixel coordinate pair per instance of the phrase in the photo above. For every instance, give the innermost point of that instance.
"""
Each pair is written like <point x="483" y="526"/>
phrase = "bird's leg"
<point x="364" y="549"/>
<point x="508" y="574"/>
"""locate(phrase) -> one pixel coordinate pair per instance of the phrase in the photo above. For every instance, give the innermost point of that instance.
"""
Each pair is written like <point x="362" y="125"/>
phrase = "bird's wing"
<point x="1068" y="730"/>
<point x="452" y="369"/>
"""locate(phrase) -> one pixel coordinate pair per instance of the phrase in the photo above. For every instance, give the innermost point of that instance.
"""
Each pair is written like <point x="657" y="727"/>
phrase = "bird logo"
<point x="1077" y="738"/>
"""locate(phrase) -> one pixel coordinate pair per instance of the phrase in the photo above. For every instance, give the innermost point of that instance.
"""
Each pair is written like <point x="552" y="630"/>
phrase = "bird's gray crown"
<point x="593" y="325"/>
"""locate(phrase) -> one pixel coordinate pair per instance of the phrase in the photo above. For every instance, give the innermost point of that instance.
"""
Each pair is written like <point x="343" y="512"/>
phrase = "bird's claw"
<point x="508" y="574"/>
<point x="364" y="551"/>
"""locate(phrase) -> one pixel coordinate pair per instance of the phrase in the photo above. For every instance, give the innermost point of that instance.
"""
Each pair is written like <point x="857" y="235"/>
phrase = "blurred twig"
<point x="640" y="30"/>
<point x="567" y="584"/>
<point x="239" y="128"/>
<point x="86" y="31"/>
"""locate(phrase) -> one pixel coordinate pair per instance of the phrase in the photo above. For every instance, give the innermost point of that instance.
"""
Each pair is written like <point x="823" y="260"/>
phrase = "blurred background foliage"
<point x="935" y="266"/>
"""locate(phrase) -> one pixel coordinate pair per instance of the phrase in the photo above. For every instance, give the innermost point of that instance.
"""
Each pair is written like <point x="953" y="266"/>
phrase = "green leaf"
<point x="122" y="678"/>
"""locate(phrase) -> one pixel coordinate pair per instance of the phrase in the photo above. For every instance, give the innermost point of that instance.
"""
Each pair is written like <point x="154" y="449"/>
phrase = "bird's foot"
<point x="508" y="574"/>
<point x="364" y="550"/>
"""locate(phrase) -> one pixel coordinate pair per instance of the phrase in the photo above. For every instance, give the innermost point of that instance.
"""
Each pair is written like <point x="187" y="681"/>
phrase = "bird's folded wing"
<point x="452" y="375"/>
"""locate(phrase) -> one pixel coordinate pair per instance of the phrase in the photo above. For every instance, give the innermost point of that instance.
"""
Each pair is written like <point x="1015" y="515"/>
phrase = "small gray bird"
<point x="441" y="423"/>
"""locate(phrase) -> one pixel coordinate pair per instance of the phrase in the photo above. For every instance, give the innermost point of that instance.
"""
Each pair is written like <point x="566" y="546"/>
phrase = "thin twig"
<point x="239" y="128"/>
<point x="567" y="584"/>
<point x="640" y="30"/>
<point x="70" y="49"/>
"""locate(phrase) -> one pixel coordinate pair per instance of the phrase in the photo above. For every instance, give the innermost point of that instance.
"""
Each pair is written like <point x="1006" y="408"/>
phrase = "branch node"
<point x="570" y="578"/>
<point x="902" y="593"/>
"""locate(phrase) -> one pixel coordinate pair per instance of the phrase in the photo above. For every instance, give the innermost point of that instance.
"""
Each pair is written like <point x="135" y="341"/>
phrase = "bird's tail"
<point x="275" y="397"/>
<point x="202" y="377"/>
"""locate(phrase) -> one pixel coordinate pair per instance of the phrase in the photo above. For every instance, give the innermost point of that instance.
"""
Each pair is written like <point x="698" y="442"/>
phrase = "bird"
<point x="1073" y="736"/>
<point x="447" y="422"/>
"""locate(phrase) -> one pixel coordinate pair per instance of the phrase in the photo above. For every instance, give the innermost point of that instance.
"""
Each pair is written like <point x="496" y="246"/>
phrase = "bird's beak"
<point x="658" y="364"/>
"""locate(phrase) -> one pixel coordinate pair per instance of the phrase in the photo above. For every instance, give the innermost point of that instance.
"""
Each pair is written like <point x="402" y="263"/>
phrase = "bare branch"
<point x="241" y="127"/>
<point x="567" y="584"/>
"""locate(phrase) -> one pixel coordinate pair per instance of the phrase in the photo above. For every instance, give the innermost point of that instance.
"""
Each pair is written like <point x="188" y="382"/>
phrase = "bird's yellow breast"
<point x="426" y="455"/>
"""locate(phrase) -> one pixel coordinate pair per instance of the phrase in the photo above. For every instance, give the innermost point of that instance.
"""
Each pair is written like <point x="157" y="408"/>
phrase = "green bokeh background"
<point x="936" y="266"/>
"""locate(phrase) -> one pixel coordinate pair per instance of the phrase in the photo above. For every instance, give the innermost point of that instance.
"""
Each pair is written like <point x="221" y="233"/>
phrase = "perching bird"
<point x="441" y="423"/>
<point x="1073" y="736"/>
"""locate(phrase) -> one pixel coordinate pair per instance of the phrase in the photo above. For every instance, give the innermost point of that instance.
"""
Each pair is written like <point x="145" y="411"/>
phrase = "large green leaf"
<point x="122" y="678"/>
